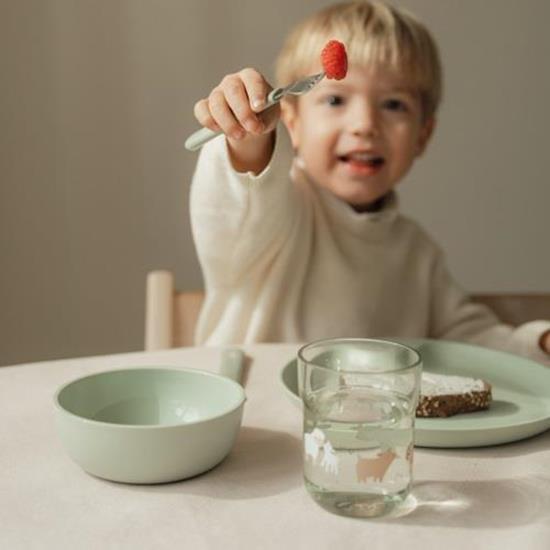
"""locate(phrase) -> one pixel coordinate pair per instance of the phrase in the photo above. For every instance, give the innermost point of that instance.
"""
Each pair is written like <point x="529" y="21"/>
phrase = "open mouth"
<point x="363" y="159"/>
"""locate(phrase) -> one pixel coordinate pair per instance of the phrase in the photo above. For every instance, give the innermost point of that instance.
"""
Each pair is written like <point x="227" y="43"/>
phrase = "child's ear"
<point x="426" y="133"/>
<point x="289" y="116"/>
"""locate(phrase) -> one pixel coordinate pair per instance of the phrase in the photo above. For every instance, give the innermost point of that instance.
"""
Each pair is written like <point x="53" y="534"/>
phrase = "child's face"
<point x="358" y="137"/>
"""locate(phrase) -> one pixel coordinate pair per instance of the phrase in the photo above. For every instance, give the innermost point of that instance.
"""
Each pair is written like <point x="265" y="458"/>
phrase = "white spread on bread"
<point x="444" y="384"/>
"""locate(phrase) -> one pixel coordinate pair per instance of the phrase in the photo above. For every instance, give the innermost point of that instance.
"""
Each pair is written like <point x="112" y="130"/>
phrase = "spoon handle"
<point x="232" y="363"/>
<point x="197" y="139"/>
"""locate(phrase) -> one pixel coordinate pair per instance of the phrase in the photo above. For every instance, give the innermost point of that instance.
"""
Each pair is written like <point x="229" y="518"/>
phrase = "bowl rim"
<point x="115" y="425"/>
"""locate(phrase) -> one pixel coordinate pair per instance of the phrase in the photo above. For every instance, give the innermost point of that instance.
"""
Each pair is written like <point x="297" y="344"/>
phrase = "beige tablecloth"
<point x="488" y="498"/>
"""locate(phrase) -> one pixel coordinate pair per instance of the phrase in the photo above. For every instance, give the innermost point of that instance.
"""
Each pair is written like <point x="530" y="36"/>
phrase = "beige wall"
<point x="96" y="101"/>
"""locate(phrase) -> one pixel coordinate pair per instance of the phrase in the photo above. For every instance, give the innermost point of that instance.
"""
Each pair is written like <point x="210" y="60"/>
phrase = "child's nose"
<point x="364" y="121"/>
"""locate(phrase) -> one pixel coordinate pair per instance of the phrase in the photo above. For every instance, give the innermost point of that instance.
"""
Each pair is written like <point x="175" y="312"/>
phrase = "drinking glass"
<point x="360" y="397"/>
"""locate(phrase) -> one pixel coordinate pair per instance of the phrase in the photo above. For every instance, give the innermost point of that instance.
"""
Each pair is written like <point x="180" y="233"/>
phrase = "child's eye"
<point x="334" y="100"/>
<point x="395" y="105"/>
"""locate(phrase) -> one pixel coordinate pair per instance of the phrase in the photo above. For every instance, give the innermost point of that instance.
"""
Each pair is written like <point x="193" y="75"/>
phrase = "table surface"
<point x="496" y="497"/>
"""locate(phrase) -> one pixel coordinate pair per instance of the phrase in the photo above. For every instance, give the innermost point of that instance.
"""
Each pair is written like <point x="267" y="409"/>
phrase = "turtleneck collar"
<point x="368" y="223"/>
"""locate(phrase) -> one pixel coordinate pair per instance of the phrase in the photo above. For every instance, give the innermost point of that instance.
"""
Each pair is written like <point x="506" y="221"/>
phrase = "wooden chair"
<point x="515" y="309"/>
<point x="171" y="316"/>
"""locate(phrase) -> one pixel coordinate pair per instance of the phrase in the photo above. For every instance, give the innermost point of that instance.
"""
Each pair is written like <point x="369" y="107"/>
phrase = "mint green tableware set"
<point x="158" y="424"/>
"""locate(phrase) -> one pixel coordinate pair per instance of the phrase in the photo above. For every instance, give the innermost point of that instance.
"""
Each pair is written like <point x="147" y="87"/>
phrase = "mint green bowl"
<point x="149" y="425"/>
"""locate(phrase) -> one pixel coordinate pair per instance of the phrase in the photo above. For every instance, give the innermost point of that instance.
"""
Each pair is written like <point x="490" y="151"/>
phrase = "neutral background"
<point x="96" y="101"/>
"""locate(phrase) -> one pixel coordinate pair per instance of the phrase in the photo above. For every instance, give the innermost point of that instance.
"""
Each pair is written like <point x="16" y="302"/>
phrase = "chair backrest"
<point x="515" y="309"/>
<point x="171" y="316"/>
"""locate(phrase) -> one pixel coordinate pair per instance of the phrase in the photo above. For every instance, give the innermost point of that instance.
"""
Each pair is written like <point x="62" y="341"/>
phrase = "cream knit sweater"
<point x="285" y="261"/>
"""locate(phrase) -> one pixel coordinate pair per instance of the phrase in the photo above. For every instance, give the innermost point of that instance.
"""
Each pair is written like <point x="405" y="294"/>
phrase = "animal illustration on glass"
<point x="315" y="443"/>
<point x="374" y="468"/>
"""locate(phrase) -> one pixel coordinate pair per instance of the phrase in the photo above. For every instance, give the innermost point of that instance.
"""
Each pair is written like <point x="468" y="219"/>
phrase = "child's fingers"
<point x="239" y="103"/>
<point x="203" y="115"/>
<point x="256" y="87"/>
<point x="223" y="115"/>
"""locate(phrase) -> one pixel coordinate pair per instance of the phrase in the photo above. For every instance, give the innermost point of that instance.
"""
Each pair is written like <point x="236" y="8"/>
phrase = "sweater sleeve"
<point x="455" y="317"/>
<point x="237" y="218"/>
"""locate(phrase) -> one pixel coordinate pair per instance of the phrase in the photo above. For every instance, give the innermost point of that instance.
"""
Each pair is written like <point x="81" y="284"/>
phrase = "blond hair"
<point x="374" y="33"/>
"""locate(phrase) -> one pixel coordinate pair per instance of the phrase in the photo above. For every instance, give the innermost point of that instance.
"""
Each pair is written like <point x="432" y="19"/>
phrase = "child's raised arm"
<point x="232" y="107"/>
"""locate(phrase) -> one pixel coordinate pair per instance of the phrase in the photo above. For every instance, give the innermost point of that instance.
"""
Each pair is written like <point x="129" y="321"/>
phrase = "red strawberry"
<point x="334" y="60"/>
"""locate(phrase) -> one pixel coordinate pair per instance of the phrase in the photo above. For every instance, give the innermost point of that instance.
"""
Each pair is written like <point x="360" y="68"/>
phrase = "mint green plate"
<point x="521" y="395"/>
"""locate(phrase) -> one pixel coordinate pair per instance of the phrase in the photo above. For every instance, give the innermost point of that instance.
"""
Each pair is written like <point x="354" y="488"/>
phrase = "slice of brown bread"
<point x="443" y="395"/>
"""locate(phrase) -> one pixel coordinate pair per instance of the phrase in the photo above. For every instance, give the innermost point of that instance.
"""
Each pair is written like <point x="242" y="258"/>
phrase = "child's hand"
<point x="544" y="341"/>
<point x="233" y="104"/>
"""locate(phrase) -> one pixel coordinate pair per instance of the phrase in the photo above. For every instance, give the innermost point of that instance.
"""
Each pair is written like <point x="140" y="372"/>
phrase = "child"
<point x="298" y="230"/>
